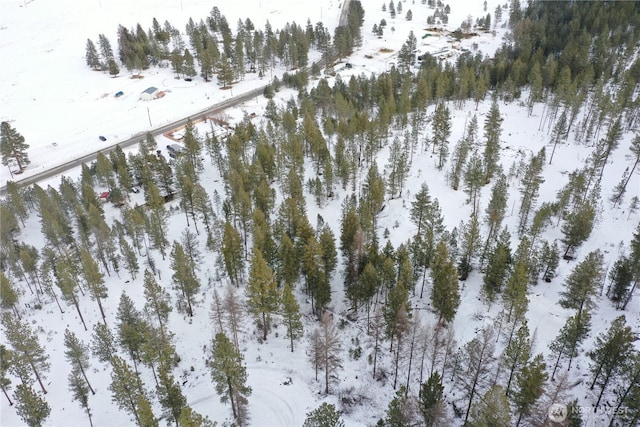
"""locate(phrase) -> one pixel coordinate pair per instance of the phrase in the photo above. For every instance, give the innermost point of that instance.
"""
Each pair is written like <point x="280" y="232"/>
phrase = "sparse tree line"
<point x="271" y="255"/>
<point x="210" y="48"/>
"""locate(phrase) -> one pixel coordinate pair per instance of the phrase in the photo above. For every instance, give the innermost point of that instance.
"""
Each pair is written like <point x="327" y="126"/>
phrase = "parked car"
<point x="102" y="138"/>
<point x="174" y="150"/>
<point x="119" y="94"/>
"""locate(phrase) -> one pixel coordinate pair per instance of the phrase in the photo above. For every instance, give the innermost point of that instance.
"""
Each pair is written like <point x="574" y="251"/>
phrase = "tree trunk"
<point x="291" y="334"/>
<point x="604" y="387"/>
<point x="409" y="368"/>
<point x="633" y="288"/>
<point x="624" y="396"/>
<point x="233" y="402"/>
<point x="7" y="396"/>
<point x="264" y="326"/>
<point x="35" y="371"/>
<point x="89" y="415"/>
<point x="471" y="395"/>
<point x="555" y="367"/>
<point x="75" y="302"/>
<point x="395" y="376"/>
<point x="86" y="379"/>
<point x="595" y="378"/>
<point x="104" y="318"/>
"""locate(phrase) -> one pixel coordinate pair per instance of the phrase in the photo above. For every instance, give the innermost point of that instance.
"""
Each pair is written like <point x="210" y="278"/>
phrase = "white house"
<point x="150" y="93"/>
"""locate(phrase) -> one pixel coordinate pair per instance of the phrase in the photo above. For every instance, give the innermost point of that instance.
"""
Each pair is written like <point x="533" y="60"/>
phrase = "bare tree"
<point x="325" y="350"/>
<point x="217" y="312"/>
<point x="233" y="313"/>
<point x="377" y="330"/>
<point x="415" y="336"/>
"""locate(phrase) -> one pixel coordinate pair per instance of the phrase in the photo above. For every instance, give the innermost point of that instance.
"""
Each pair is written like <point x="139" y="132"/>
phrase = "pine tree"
<point x="628" y="392"/>
<point x="327" y="243"/>
<point x="104" y="45"/>
<point x="461" y="152"/>
<point x="229" y="374"/>
<point x="612" y="349"/>
<point x="474" y="180"/>
<point x="131" y="328"/>
<point x="401" y="411"/>
<point x="324" y="415"/>
<point x="578" y="226"/>
<point x="126" y="389"/>
<point x="476" y="366"/>
<point x="103" y="343"/>
<point x="445" y="297"/>
<point x="441" y="128"/>
<point x="28" y="353"/>
<point x="621" y="188"/>
<point x="492" y="131"/>
<point x="170" y="395"/>
<point x="33" y="409"/>
<point x="232" y="254"/>
<point x="516" y="355"/>
<point x="129" y="258"/>
<point x="261" y="291"/>
<point x="6" y="362"/>
<point x="92" y="57"/>
<point x="13" y="148"/>
<point x="158" y="303"/>
<point x="145" y="412"/>
<point x="492" y="410"/>
<point x="397" y="302"/>
<point x="530" y="187"/>
<point x="497" y="270"/>
<point x="397" y="169"/>
<point x="420" y="208"/>
<point x="8" y="294"/>
<point x="430" y="402"/>
<point x="184" y="278"/>
<point x="559" y="132"/>
<point x="583" y="282"/>
<point x="224" y="72"/>
<point x="77" y="354"/>
<point x="93" y="279"/>
<point x="530" y="386"/>
<point x="470" y="245"/>
<point x="291" y="313"/>
<point x="113" y="67"/>
<point x="566" y="344"/>
<point x="190" y="418"/>
<point x="514" y="296"/>
<point x="621" y="278"/>
<point x="80" y="391"/>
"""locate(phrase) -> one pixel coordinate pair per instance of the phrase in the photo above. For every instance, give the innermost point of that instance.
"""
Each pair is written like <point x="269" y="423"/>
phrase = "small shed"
<point x="150" y="93"/>
<point x="104" y="196"/>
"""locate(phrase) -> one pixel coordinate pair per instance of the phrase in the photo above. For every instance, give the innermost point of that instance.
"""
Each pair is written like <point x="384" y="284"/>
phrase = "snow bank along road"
<point x="232" y="102"/>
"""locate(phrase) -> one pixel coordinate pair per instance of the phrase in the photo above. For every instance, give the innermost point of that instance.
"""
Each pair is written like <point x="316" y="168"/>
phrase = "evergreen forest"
<point x="344" y="237"/>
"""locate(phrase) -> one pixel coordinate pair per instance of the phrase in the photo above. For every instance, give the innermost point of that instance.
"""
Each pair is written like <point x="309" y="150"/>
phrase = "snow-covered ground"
<point x="50" y="96"/>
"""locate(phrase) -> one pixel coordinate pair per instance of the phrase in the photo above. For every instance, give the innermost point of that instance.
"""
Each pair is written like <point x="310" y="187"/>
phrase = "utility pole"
<point x="149" y="115"/>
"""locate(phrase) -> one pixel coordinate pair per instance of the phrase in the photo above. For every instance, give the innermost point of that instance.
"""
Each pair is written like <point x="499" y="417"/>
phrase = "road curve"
<point x="232" y="102"/>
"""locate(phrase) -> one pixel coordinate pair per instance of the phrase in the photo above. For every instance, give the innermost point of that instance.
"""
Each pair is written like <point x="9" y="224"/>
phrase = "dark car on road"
<point x="102" y="138"/>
